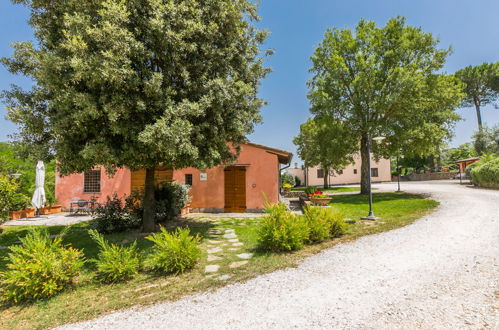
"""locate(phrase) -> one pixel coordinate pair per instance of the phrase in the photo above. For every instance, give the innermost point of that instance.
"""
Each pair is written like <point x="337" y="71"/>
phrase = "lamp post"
<point x="371" y="213"/>
<point x="14" y="175"/>
<point x="398" y="176"/>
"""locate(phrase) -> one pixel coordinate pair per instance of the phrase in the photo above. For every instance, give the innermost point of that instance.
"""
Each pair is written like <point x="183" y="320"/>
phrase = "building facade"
<point x="314" y="176"/>
<point x="241" y="186"/>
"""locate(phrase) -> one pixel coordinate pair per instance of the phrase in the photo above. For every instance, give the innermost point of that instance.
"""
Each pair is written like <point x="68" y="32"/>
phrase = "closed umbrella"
<point x="39" y="199"/>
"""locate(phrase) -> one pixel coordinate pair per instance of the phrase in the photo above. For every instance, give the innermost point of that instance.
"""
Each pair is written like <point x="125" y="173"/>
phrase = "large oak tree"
<point x="384" y="82"/>
<point x="136" y="83"/>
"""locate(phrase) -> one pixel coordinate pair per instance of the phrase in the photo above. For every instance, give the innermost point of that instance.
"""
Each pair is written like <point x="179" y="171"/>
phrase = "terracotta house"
<point x="238" y="187"/>
<point x="314" y="176"/>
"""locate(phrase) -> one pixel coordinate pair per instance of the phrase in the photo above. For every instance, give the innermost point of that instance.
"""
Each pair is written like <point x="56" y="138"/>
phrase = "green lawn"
<point x="90" y="299"/>
<point x="332" y="189"/>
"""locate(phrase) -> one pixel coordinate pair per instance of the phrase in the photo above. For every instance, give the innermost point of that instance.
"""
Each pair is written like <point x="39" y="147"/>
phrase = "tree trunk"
<point x="364" y="169"/>
<point x="431" y="163"/>
<point x="148" y="223"/>
<point x="326" y="177"/>
<point x="478" y="115"/>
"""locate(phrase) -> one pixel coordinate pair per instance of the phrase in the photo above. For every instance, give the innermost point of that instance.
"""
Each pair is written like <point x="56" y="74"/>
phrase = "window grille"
<point x="91" y="182"/>
<point x="320" y="173"/>
<point x="188" y="179"/>
<point x="374" y="172"/>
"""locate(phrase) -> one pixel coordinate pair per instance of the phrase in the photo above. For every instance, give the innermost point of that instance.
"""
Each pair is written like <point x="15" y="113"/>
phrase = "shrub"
<point x="281" y="230"/>
<point x="486" y="172"/>
<point x="39" y="268"/>
<point x="337" y="225"/>
<point x="297" y="181"/>
<point x="114" y="216"/>
<point x="10" y="198"/>
<point x="287" y="178"/>
<point x="171" y="198"/>
<point x="115" y="263"/>
<point x="173" y="253"/>
<point x="318" y="222"/>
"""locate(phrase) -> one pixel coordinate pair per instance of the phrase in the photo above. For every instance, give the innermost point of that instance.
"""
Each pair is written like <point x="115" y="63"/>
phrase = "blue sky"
<point x="297" y="26"/>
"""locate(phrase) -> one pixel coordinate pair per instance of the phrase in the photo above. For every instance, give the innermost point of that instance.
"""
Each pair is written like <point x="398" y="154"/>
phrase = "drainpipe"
<point x="279" y="182"/>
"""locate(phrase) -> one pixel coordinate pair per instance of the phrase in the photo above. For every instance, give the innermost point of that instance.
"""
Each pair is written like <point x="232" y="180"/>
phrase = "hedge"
<point x="486" y="173"/>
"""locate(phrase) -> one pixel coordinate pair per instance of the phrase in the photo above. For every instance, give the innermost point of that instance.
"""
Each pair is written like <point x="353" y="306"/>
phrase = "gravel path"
<point x="441" y="272"/>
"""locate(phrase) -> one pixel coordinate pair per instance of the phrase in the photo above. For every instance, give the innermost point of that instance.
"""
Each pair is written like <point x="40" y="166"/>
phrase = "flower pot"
<point x="55" y="209"/>
<point x="26" y="213"/>
<point x="320" y="201"/>
<point x="44" y="210"/>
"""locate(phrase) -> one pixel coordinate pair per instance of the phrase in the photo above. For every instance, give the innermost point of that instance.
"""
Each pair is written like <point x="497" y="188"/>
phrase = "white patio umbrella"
<point x="39" y="199"/>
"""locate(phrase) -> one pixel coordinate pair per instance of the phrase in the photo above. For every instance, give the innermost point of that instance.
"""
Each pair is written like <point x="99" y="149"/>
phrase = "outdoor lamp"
<point x="371" y="213"/>
<point x="14" y="175"/>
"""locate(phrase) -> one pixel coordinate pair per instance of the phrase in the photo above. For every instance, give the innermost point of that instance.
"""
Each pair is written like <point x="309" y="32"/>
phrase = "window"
<point x="91" y="181"/>
<point x="355" y="171"/>
<point x="374" y="172"/>
<point x="340" y="172"/>
<point x="320" y="173"/>
<point x="188" y="179"/>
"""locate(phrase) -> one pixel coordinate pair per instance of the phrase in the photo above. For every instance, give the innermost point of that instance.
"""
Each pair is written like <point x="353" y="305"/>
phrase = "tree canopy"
<point x="385" y="82"/>
<point x="481" y="86"/>
<point x="324" y="141"/>
<point x="136" y="83"/>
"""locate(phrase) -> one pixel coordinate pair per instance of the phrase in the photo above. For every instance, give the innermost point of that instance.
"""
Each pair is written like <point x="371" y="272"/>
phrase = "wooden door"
<point x="235" y="189"/>
<point x="161" y="175"/>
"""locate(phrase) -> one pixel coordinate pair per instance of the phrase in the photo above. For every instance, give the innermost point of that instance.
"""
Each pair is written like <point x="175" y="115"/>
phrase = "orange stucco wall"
<point x="261" y="178"/>
<point x="71" y="186"/>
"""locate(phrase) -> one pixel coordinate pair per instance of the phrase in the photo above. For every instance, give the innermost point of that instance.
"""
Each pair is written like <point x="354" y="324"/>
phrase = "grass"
<point x="332" y="189"/>
<point x="89" y="299"/>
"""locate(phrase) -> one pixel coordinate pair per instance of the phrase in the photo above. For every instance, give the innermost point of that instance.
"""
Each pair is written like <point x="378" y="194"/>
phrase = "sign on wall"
<point x="203" y="176"/>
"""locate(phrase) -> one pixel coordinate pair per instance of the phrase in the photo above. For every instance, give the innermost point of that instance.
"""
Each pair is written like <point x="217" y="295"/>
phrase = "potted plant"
<point x="318" y="198"/>
<point x="18" y="206"/>
<point x="55" y="209"/>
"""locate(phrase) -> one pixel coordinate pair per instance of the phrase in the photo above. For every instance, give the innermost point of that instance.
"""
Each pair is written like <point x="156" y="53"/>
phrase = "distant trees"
<point x="481" y="86"/>
<point x="486" y="140"/>
<point x="138" y="83"/>
<point x="324" y="141"/>
<point x="384" y="82"/>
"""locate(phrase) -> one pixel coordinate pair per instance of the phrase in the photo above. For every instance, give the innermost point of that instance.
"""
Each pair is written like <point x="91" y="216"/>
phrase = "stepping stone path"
<point x="211" y="268"/>
<point x="216" y="246"/>
<point x="237" y="264"/>
<point x="214" y="250"/>
<point x="211" y="257"/>
<point x="244" y="255"/>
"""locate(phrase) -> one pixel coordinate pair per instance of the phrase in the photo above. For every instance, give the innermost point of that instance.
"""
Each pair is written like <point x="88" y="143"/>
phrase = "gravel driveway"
<point x="441" y="272"/>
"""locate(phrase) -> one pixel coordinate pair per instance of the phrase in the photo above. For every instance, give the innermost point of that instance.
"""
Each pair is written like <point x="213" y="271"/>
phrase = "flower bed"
<point x="318" y="198"/>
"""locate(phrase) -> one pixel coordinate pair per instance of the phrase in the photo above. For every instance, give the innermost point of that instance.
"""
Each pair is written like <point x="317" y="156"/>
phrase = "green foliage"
<point x="486" y="172"/>
<point x="323" y="223"/>
<point x="485" y="140"/>
<point x="134" y="83"/>
<point x="318" y="223"/>
<point x="171" y="198"/>
<point x="287" y="178"/>
<point x="115" y="263"/>
<point x="173" y="253"/>
<point x="281" y="230"/>
<point x="39" y="268"/>
<point x="464" y="151"/>
<point x="297" y="181"/>
<point x="385" y="82"/>
<point x="480" y="86"/>
<point x="325" y="141"/>
<point x="115" y="216"/>
<point x="10" y="198"/>
<point x="11" y="159"/>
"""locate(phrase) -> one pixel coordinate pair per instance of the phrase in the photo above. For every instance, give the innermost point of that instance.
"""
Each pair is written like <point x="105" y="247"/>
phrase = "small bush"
<point x="337" y="225"/>
<point x="171" y="198"/>
<point x="486" y="172"/>
<point x="173" y="253"/>
<point x="281" y="230"/>
<point x="318" y="222"/>
<point x="39" y="268"/>
<point x="288" y="178"/>
<point x="10" y="198"/>
<point x="115" y="263"/>
<point x="297" y="181"/>
<point x="114" y="216"/>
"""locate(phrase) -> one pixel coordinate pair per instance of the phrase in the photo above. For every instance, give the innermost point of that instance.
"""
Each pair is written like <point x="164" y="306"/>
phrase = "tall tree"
<point x="136" y="83"/>
<point x="324" y="141"/>
<point x="481" y="86"/>
<point x="381" y="82"/>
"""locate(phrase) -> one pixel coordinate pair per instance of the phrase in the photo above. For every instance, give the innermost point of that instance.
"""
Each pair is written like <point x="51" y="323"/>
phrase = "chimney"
<point x="296" y="165"/>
